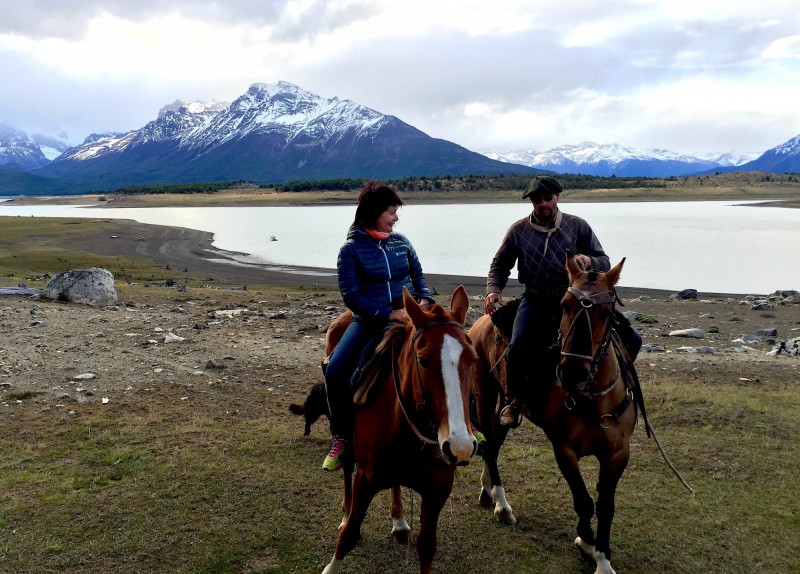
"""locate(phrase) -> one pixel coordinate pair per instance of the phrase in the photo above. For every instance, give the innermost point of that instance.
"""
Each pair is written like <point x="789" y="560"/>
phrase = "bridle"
<point x="587" y="301"/>
<point x="579" y="401"/>
<point x="424" y="396"/>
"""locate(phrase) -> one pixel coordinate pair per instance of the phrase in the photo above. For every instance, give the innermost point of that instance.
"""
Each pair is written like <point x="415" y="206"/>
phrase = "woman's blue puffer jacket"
<point x="372" y="274"/>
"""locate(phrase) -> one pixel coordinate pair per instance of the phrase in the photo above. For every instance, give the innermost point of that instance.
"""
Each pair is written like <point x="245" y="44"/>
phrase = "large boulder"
<point x="93" y="286"/>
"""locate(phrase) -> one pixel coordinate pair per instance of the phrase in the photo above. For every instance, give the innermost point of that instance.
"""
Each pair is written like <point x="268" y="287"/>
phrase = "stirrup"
<point x="512" y="415"/>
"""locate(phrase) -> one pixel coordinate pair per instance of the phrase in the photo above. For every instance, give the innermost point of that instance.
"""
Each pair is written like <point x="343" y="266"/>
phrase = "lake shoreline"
<point x="191" y="250"/>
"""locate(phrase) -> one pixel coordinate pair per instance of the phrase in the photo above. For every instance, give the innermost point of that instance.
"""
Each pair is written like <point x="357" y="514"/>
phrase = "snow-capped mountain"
<point x="18" y="151"/>
<point x="272" y="133"/>
<point x="589" y="158"/>
<point x="729" y="159"/>
<point x="781" y="159"/>
<point x="51" y="147"/>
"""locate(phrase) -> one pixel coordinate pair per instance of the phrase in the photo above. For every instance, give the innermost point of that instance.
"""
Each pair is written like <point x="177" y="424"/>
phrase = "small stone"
<point x="215" y="364"/>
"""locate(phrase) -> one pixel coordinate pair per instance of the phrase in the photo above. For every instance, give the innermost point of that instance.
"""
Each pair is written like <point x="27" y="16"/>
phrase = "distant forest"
<point x="410" y="184"/>
<point x="461" y="183"/>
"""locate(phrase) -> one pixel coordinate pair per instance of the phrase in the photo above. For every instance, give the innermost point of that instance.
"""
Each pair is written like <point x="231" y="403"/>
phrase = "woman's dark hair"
<point x="375" y="198"/>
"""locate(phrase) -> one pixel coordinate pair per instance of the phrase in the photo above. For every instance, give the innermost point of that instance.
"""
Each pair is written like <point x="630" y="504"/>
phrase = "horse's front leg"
<point x="493" y="495"/>
<point x="433" y="500"/>
<point x="611" y="469"/>
<point x="581" y="499"/>
<point x="400" y="528"/>
<point x="347" y="498"/>
<point x="350" y="532"/>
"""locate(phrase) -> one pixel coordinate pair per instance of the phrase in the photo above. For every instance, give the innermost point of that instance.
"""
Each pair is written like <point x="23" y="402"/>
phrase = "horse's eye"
<point x="423" y="362"/>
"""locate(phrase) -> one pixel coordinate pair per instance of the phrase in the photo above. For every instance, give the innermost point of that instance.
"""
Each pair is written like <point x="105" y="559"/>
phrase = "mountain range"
<point x="589" y="158"/>
<point x="276" y="133"/>
<point x="273" y="133"/>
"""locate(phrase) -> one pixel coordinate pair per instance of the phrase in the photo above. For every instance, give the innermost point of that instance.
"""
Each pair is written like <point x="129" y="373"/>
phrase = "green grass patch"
<point x="187" y="489"/>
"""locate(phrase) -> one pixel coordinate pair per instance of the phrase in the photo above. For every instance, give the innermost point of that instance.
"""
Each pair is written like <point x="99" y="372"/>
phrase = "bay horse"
<point x="585" y="411"/>
<point x="413" y="429"/>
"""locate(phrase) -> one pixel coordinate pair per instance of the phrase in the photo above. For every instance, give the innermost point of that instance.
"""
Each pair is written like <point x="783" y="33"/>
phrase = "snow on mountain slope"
<point x="19" y="151"/>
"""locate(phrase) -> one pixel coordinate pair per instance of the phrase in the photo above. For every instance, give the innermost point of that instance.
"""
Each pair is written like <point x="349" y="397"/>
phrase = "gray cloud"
<point x="585" y="88"/>
<point x="69" y="18"/>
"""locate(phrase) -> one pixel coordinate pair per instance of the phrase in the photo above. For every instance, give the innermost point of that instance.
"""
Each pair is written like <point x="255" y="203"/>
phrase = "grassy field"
<point x="33" y="246"/>
<point x="227" y="485"/>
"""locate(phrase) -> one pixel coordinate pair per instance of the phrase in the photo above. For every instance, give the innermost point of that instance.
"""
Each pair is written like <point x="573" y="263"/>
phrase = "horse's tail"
<point x="297" y="409"/>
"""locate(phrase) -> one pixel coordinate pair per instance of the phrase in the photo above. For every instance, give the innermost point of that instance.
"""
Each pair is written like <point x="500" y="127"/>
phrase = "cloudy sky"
<point x="690" y="76"/>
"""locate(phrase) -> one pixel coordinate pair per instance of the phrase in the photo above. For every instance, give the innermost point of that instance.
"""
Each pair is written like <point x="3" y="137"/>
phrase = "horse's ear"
<point x="412" y="308"/>
<point x="572" y="267"/>
<point x="612" y="275"/>
<point x="459" y="304"/>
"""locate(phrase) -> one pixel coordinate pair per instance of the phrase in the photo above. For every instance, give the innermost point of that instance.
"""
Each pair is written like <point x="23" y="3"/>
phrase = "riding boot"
<point x="628" y="335"/>
<point x="511" y="414"/>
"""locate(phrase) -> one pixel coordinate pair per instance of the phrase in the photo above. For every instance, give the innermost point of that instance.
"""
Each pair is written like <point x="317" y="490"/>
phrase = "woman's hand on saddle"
<point x="425" y="305"/>
<point x="398" y="315"/>
<point x="492" y="301"/>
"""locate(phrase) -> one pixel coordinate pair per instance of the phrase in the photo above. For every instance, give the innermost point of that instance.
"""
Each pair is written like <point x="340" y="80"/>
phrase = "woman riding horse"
<point x="413" y="427"/>
<point x="374" y="265"/>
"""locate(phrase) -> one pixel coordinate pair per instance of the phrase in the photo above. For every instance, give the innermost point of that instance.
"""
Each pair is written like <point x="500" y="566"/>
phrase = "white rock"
<point x="171" y="337"/>
<point x="694" y="333"/>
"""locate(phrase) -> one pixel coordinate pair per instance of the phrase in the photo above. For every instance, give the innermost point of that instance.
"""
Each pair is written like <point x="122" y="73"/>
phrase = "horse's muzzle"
<point x="462" y="455"/>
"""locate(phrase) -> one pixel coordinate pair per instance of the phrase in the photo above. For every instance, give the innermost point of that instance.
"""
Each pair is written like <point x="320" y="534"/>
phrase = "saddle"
<point x="375" y="362"/>
<point x="504" y="317"/>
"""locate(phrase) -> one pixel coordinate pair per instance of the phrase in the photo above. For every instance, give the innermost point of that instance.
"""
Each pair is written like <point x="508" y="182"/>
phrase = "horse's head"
<point x="444" y="369"/>
<point x="586" y="319"/>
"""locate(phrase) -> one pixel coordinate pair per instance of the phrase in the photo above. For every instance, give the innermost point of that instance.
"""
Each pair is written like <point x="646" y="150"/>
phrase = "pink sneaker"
<point x="333" y="461"/>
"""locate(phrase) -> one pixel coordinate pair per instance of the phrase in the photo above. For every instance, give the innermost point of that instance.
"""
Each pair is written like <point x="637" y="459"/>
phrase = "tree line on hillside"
<point x="460" y="183"/>
<point x="499" y="182"/>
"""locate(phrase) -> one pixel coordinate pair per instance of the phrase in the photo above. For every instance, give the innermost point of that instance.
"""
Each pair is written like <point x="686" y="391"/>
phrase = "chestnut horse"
<point x="586" y="411"/>
<point x="413" y="429"/>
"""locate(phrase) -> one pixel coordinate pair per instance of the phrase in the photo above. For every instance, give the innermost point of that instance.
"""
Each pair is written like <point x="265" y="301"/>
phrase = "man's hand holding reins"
<point x="583" y="261"/>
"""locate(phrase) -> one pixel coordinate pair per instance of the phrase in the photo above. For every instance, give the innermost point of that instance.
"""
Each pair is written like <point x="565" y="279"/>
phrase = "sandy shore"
<point x="192" y="250"/>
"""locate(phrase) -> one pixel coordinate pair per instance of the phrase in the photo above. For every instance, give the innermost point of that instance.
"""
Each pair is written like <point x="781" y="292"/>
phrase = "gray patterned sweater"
<point x="541" y="253"/>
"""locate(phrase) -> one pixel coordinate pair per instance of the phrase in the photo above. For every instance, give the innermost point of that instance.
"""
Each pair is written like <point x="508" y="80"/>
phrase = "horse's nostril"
<point x="447" y="452"/>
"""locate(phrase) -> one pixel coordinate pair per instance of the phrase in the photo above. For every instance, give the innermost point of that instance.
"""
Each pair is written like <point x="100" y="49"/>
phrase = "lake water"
<point x="710" y="246"/>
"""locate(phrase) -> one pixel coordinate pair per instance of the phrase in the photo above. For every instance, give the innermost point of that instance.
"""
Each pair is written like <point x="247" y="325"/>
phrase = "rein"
<point x="420" y="406"/>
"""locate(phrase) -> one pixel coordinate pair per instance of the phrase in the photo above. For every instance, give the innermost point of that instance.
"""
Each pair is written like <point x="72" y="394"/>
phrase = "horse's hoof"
<point x="485" y="499"/>
<point x="505" y="516"/>
<point x="603" y="564"/>
<point x="401" y="536"/>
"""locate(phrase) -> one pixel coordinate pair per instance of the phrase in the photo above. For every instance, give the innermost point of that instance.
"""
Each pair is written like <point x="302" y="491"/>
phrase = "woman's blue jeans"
<point x="341" y="365"/>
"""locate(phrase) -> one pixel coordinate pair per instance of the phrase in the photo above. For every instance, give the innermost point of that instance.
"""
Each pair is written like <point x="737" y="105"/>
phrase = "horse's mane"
<point x="380" y="361"/>
<point x="394" y="330"/>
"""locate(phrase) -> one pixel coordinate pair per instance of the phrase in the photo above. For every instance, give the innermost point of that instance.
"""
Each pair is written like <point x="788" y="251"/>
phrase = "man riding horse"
<point x="539" y="244"/>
